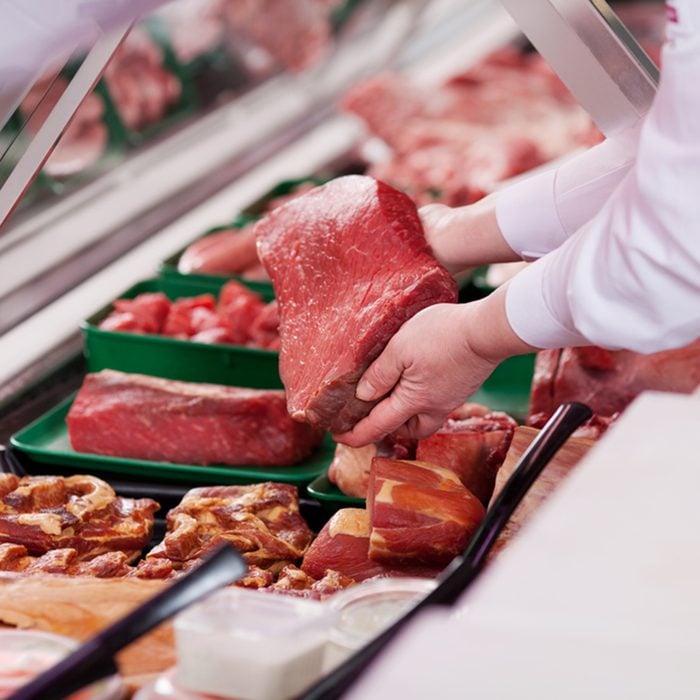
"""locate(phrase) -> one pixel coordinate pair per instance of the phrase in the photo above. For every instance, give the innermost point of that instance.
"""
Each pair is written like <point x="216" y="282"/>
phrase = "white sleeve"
<point x="630" y="278"/>
<point x="538" y="213"/>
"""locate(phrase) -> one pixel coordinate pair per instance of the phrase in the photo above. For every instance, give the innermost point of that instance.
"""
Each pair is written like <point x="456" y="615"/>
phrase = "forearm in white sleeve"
<point x="537" y="214"/>
<point x="630" y="278"/>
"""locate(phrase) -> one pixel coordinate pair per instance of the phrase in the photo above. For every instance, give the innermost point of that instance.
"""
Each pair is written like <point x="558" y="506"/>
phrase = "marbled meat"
<point x="350" y="264"/>
<point x="143" y="417"/>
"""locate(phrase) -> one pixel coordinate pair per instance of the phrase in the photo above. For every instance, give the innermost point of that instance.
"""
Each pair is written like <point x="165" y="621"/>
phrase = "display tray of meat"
<point x="155" y="429"/>
<point x="223" y="333"/>
<point x="228" y="251"/>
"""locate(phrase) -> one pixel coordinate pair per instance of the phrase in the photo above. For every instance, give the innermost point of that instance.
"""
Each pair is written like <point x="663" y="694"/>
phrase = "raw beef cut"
<point x="343" y="546"/>
<point x="608" y="381"/>
<point x="472" y="443"/>
<point x="419" y="513"/>
<point x="142" y="417"/>
<point x="349" y="264"/>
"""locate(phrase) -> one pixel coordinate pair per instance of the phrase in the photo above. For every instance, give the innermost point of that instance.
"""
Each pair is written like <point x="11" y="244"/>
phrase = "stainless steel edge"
<point x="40" y="147"/>
<point x="595" y="56"/>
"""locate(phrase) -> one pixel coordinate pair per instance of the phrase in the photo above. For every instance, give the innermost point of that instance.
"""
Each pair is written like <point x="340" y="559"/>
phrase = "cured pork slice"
<point x="262" y="521"/>
<point x="79" y="515"/>
<point x="561" y="465"/>
<point x="608" y="381"/>
<point x="142" y="417"/>
<point x="419" y="513"/>
<point x="472" y="443"/>
<point x="342" y="546"/>
<point x="349" y="470"/>
<point x="350" y="264"/>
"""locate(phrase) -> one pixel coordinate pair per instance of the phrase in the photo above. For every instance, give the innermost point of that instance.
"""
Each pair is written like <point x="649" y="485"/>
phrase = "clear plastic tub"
<point x="25" y="654"/>
<point x="251" y="645"/>
<point x="366" y="610"/>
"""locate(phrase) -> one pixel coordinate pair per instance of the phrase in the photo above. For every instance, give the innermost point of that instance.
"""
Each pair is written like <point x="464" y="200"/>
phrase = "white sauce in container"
<point x="251" y="645"/>
<point x="366" y="610"/>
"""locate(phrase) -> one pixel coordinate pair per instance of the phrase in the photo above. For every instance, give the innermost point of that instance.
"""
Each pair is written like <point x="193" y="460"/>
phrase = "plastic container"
<point x="166" y="687"/>
<point x="25" y="654"/>
<point x="172" y="358"/>
<point x="251" y="645"/>
<point x="366" y="610"/>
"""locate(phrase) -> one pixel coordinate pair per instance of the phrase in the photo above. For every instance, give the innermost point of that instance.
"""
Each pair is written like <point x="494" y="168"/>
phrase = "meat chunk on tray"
<point x="143" y="417"/>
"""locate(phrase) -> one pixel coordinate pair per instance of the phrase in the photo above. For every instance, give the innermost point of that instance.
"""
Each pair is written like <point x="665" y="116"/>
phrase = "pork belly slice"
<point x="79" y="514"/>
<point x="142" y="417"/>
<point x="419" y="513"/>
<point x="350" y="264"/>
<point x="262" y="521"/>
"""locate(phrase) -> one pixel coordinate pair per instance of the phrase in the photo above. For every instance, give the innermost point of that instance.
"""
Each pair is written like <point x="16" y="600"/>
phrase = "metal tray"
<point x="46" y="441"/>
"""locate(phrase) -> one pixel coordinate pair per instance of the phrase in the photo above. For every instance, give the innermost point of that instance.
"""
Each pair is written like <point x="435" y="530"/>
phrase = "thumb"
<point x="381" y="376"/>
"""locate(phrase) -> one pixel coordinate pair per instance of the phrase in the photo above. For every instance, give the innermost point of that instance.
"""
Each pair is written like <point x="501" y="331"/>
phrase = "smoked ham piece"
<point x="350" y="264"/>
<point x="143" y="417"/>
<point x="472" y="443"/>
<point x="554" y="474"/>
<point x="343" y="545"/>
<point x="608" y="381"/>
<point x="419" y="513"/>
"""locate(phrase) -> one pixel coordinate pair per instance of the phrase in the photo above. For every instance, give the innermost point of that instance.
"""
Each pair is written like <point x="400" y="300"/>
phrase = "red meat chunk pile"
<point x="240" y="317"/>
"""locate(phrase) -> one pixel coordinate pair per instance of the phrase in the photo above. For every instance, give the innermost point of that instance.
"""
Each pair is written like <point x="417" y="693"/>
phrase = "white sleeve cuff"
<point x="526" y="213"/>
<point x="529" y="314"/>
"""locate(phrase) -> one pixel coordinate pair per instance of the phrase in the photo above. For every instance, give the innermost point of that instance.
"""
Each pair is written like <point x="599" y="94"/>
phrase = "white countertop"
<point x="599" y="595"/>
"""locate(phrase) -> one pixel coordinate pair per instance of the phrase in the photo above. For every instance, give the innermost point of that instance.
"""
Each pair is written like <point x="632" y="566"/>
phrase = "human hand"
<point x="435" y="361"/>
<point x="464" y="237"/>
<point x="428" y="367"/>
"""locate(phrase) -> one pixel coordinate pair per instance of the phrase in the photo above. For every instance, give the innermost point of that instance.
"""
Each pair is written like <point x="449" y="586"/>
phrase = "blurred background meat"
<point x="456" y="142"/>
<point x="140" y="85"/>
<point x="608" y="381"/>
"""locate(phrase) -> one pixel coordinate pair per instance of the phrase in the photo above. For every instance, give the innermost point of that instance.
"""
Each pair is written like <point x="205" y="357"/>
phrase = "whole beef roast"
<point x="349" y="264"/>
<point x="141" y="417"/>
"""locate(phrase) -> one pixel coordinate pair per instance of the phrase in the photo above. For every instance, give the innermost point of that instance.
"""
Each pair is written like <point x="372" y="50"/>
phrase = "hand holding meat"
<point x="433" y="363"/>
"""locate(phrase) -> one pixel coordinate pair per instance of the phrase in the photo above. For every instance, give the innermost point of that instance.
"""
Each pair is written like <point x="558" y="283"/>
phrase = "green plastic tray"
<point x="330" y="496"/>
<point x="508" y="388"/>
<point x="173" y="358"/>
<point x="168" y="268"/>
<point x="46" y="441"/>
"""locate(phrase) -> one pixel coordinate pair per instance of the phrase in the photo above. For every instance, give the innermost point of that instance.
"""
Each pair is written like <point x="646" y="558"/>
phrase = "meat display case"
<point x="115" y="229"/>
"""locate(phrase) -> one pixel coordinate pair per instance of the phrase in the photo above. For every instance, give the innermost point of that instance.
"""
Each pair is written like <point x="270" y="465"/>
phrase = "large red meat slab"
<point x="419" y="513"/>
<point x="350" y="264"/>
<point x="142" y="417"/>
